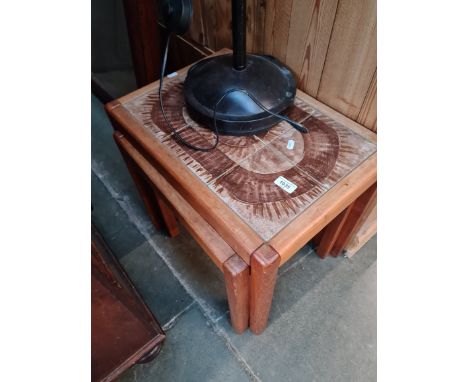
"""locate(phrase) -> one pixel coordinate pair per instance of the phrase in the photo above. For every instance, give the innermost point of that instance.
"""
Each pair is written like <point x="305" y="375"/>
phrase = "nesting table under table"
<point x="254" y="201"/>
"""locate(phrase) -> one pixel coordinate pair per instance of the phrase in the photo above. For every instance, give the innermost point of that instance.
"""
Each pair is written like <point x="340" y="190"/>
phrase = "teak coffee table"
<point x="254" y="201"/>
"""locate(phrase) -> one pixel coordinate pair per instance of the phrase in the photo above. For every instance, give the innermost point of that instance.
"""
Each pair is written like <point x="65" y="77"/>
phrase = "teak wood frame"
<point x="235" y="270"/>
<point x="233" y="245"/>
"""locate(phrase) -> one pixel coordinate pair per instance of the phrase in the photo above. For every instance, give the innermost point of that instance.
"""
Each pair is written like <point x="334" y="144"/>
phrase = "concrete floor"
<point x="323" y="320"/>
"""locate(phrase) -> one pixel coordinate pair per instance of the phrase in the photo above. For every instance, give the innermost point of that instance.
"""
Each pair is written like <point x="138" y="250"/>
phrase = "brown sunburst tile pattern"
<point x="242" y="170"/>
<point x="250" y="190"/>
<point x="327" y="153"/>
<point x="145" y="108"/>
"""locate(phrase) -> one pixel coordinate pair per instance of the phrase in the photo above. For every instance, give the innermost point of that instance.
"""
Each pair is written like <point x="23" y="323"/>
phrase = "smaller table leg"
<point x="264" y="266"/>
<point x="143" y="187"/>
<point x="167" y="213"/>
<point x="331" y="233"/>
<point x="155" y="204"/>
<point x="236" y="276"/>
<point x="340" y="231"/>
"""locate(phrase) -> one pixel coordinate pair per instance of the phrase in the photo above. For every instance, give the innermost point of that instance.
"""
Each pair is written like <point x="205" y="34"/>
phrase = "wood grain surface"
<point x="330" y="45"/>
<point x="351" y="58"/>
<point x="368" y="113"/>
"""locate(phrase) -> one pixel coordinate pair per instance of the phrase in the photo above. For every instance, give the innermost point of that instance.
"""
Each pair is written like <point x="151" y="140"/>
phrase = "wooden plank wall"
<point x="330" y="45"/>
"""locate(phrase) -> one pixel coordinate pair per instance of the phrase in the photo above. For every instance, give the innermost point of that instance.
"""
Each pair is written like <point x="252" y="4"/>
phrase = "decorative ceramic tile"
<point x="327" y="153"/>
<point x="298" y="112"/>
<point x="209" y="165"/>
<point x="146" y="110"/>
<point x="251" y="189"/>
<point x="267" y="179"/>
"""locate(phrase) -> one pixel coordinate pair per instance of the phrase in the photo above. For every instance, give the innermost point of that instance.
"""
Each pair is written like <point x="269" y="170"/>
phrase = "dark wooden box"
<point x="123" y="329"/>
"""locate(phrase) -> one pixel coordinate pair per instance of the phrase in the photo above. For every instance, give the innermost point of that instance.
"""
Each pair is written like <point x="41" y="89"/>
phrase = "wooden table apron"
<point x="263" y="256"/>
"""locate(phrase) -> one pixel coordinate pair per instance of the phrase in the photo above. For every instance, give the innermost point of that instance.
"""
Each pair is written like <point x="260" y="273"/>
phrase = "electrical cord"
<point x="169" y="124"/>
<point x="296" y="125"/>
<point x="176" y="134"/>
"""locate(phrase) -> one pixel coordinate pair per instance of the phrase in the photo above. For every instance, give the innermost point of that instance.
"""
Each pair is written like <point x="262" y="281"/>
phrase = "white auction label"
<point x="173" y="74"/>
<point x="290" y="145"/>
<point x="285" y="184"/>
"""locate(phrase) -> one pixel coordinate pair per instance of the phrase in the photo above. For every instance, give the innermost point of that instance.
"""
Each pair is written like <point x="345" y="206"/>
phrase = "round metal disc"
<point x="264" y="77"/>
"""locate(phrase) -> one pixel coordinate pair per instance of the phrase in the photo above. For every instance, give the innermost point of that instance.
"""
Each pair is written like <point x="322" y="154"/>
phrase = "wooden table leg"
<point x="340" y="231"/>
<point x="331" y="233"/>
<point x="143" y="187"/>
<point x="236" y="276"/>
<point x="317" y="238"/>
<point x="158" y="210"/>
<point x="264" y="264"/>
<point x="167" y="214"/>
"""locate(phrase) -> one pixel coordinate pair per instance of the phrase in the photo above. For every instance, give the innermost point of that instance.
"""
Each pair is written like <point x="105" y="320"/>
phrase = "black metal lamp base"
<point x="264" y="77"/>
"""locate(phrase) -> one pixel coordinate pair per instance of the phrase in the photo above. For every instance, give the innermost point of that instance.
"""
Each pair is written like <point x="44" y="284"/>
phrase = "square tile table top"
<point x="241" y="187"/>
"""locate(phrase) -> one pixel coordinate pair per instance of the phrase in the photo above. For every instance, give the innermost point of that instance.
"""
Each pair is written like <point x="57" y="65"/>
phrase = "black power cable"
<point x="169" y="124"/>
<point x="176" y="134"/>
